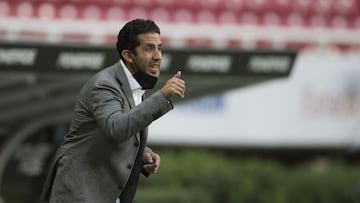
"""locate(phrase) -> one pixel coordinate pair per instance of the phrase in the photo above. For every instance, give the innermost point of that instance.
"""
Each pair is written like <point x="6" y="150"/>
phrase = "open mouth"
<point x="154" y="69"/>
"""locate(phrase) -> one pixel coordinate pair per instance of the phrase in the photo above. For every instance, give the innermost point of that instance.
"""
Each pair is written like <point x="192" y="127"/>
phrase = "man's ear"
<point x="126" y="54"/>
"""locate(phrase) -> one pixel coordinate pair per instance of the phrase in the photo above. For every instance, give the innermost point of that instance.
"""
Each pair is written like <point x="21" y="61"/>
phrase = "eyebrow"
<point x="152" y="44"/>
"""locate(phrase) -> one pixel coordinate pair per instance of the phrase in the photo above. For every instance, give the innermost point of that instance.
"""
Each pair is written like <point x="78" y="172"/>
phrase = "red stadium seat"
<point x="25" y="10"/>
<point x="318" y="21"/>
<point x="322" y="7"/>
<point x="123" y="3"/>
<point x="227" y="17"/>
<point x="233" y="43"/>
<point x="68" y="11"/>
<point x="234" y="5"/>
<point x="198" y="42"/>
<point x="165" y="42"/>
<point x="302" y="6"/>
<point x="115" y="13"/>
<point x="210" y="4"/>
<point x="183" y="15"/>
<point x="280" y="6"/>
<point x="339" y="22"/>
<point x="92" y="12"/>
<point x="295" y="20"/>
<point x="160" y="14"/>
<point x="299" y="45"/>
<point x="110" y="40"/>
<point x="2" y="35"/>
<point x="256" y="6"/>
<point x="33" y="36"/>
<point x="345" y="7"/>
<point x="4" y="9"/>
<point x="138" y="12"/>
<point x="249" y="18"/>
<point x="143" y="3"/>
<point x="205" y="16"/>
<point x="356" y="22"/>
<point x="77" y="38"/>
<point x="192" y="5"/>
<point x="46" y="11"/>
<point x="272" y="19"/>
<point x="165" y="3"/>
<point x="263" y="44"/>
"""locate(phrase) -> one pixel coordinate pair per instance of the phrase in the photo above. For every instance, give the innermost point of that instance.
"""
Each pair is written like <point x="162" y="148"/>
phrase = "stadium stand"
<point x="57" y="21"/>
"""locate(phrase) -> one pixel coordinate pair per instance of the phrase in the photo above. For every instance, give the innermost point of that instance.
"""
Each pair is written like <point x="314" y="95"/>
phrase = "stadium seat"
<point x="271" y="18"/>
<point x="299" y="45"/>
<point x="122" y="3"/>
<point x="4" y="9"/>
<point x="227" y="17"/>
<point x="2" y="34"/>
<point x="346" y="7"/>
<point x="280" y="6"/>
<point x="234" y="5"/>
<point x="33" y="36"/>
<point x="302" y="6"/>
<point x="115" y="13"/>
<point x="339" y="22"/>
<point x="137" y="12"/>
<point x="294" y="20"/>
<point x="233" y="43"/>
<point x="205" y="16"/>
<point x="198" y="42"/>
<point x="143" y="3"/>
<point x="25" y="10"/>
<point x="263" y="44"/>
<point x="91" y="12"/>
<point x="46" y="11"/>
<point x="160" y="14"/>
<point x="68" y="11"/>
<point x="249" y="18"/>
<point x="318" y="21"/>
<point x="183" y="15"/>
<point x="165" y="3"/>
<point x="356" y="22"/>
<point x="77" y="38"/>
<point x="322" y="7"/>
<point x="210" y="4"/>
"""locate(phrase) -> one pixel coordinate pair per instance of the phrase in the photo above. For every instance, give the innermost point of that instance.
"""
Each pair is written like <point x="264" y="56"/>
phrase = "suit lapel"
<point x="121" y="77"/>
<point x="124" y="83"/>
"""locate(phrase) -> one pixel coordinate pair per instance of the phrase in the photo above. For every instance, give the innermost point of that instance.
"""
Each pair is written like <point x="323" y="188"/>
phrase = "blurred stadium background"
<point x="272" y="112"/>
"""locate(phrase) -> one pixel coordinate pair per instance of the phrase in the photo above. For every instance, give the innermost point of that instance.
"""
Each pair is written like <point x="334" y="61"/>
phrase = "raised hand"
<point x="174" y="86"/>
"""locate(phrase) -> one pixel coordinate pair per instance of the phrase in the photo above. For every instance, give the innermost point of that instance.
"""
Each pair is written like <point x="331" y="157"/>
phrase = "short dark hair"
<point x="128" y="35"/>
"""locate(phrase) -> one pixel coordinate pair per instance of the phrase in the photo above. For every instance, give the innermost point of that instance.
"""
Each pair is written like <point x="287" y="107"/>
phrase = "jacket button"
<point x="136" y="144"/>
<point x="129" y="166"/>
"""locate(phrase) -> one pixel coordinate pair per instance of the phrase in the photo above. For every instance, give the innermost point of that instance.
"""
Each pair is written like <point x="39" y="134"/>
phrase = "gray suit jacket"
<point x="95" y="160"/>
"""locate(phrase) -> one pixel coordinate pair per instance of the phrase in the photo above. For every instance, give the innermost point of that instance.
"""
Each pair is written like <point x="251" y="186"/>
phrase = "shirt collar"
<point x="134" y="85"/>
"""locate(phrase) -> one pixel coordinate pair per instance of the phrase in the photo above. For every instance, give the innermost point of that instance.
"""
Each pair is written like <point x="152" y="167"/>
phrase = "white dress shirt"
<point x="137" y="91"/>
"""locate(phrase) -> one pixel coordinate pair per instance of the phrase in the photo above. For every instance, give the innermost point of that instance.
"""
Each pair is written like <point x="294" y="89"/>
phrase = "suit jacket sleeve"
<point x="109" y="106"/>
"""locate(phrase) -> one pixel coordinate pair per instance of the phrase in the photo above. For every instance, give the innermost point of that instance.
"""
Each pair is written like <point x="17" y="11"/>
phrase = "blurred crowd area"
<point x="266" y="24"/>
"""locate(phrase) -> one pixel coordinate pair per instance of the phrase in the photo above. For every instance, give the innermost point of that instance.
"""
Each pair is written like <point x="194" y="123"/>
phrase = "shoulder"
<point x="105" y="76"/>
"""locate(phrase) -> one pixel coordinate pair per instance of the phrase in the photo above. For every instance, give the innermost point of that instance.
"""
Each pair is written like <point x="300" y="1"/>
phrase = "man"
<point x="104" y="151"/>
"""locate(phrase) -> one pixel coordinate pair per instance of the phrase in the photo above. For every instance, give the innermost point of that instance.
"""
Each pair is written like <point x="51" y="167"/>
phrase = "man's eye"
<point x="148" y="48"/>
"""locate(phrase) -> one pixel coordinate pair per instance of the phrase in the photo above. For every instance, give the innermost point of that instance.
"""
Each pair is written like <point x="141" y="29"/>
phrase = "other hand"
<point x="151" y="162"/>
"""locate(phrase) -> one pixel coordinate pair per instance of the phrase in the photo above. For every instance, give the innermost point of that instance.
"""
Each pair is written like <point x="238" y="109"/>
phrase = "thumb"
<point x="178" y="74"/>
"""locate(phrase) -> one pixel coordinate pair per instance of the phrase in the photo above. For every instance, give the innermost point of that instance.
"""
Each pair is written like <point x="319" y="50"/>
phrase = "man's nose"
<point x="157" y="54"/>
